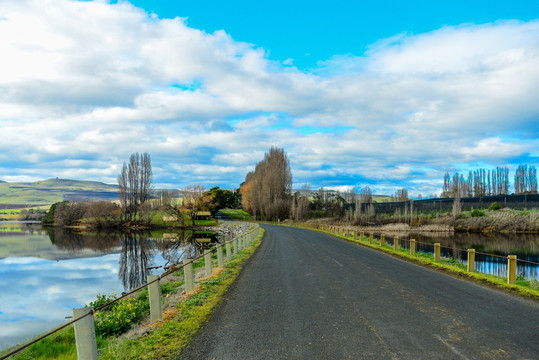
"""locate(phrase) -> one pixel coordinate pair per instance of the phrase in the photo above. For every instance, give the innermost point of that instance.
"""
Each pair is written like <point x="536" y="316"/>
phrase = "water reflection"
<point x="44" y="273"/>
<point x="137" y="250"/>
<point x="495" y="247"/>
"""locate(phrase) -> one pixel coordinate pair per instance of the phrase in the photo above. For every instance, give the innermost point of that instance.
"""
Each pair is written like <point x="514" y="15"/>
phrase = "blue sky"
<point x="313" y="31"/>
<point x="385" y="94"/>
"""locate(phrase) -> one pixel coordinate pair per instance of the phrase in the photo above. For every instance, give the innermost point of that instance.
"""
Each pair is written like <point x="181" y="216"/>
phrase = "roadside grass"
<point x="522" y="287"/>
<point x="237" y="214"/>
<point x="168" y="338"/>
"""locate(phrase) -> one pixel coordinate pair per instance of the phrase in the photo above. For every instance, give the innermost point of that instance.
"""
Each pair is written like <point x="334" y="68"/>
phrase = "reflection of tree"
<point x="184" y="244"/>
<point x="176" y="248"/>
<point x="136" y="258"/>
<point x="75" y="242"/>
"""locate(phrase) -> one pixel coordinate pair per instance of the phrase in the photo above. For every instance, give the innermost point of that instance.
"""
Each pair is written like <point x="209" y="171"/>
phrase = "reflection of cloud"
<point x="37" y="294"/>
<point x="58" y="286"/>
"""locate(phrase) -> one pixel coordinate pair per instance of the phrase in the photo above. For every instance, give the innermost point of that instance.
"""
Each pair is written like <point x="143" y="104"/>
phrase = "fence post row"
<point x="511" y="259"/>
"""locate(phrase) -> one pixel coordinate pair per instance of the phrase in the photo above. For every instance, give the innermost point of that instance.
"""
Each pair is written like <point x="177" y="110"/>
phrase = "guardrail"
<point x="83" y="318"/>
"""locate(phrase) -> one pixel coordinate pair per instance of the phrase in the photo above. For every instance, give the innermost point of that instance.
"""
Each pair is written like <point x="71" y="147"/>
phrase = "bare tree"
<point x="266" y="191"/>
<point x="192" y="199"/>
<point x="400" y="195"/>
<point x="457" y="207"/>
<point x="134" y="185"/>
<point x="532" y="180"/>
<point x="103" y="213"/>
<point x="365" y="195"/>
<point x="67" y="213"/>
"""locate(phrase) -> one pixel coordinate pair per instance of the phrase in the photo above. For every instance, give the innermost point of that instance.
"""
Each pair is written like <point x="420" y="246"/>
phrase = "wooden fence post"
<point x="382" y="239"/>
<point x="512" y="269"/>
<point x="188" y="275"/>
<point x="85" y="334"/>
<point x="471" y="260"/>
<point x="437" y="252"/>
<point x="228" y="251"/>
<point x="207" y="263"/>
<point x="220" y="259"/>
<point x="396" y="243"/>
<point x="154" y="293"/>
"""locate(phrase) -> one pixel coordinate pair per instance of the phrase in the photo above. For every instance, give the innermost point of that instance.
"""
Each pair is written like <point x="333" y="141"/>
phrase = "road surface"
<point x="307" y="295"/>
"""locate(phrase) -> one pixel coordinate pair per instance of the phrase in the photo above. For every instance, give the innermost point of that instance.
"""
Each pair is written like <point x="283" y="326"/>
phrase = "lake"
<point x="45" y="273"/>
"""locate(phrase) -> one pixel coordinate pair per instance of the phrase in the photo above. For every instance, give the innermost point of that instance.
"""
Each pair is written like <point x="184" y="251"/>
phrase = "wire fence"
<point x="248" y="236"/>
<point x="486" y="263"/>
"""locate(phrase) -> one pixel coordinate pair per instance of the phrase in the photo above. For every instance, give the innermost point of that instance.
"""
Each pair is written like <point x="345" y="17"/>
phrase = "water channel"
<point x="44" y="273"/>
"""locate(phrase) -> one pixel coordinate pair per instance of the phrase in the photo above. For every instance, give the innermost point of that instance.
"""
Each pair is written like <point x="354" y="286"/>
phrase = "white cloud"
<point x="93" y="82"/>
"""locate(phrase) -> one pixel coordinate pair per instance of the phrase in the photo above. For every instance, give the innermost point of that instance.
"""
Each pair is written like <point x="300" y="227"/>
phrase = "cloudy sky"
<point x="391" y="95"/>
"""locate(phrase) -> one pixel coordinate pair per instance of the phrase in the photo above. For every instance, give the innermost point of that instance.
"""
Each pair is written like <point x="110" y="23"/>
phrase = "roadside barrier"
<point x="83" y="318"/>
<point x="512" y="260"/>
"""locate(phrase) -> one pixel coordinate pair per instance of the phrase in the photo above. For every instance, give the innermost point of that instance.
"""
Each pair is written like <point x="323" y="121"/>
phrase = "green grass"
<point x="237" y="214"/>
<point x="211" y="222"/>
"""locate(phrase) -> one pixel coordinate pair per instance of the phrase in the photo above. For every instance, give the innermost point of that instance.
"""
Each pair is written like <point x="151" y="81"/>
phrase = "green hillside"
<point x="19" y="195"/>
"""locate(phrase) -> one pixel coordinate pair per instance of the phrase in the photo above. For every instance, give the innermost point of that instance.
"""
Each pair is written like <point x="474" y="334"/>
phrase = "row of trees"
<point x="483" y="182"/>
<point x="526" y="180"/>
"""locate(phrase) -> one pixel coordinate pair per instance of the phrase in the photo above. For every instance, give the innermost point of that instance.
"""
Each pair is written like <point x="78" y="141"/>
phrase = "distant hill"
<point x="47" y="192"/>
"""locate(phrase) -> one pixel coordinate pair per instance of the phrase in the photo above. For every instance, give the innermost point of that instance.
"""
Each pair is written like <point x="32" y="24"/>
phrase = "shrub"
<point x="477" y="212"/>
<point x="118" y="317"/>
<point x="494" y="207"/>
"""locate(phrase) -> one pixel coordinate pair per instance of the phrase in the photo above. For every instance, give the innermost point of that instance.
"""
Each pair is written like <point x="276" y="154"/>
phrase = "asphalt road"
<point x="307" y="295"/>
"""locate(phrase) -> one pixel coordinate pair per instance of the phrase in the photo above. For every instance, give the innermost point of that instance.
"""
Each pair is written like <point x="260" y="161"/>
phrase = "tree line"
<point x="483" y="182"/>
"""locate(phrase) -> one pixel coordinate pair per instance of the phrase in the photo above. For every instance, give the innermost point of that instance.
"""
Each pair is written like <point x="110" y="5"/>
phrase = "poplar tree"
<point x="134" y="185"/>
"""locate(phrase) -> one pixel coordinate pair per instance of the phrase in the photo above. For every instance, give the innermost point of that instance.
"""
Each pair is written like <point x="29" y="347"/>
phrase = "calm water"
<point x="46" y="273"/>
<point x="525" y="246"/>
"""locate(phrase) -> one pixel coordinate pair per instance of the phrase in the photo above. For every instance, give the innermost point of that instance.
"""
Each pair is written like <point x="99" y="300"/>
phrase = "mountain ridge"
<point x="47" y="192"/>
